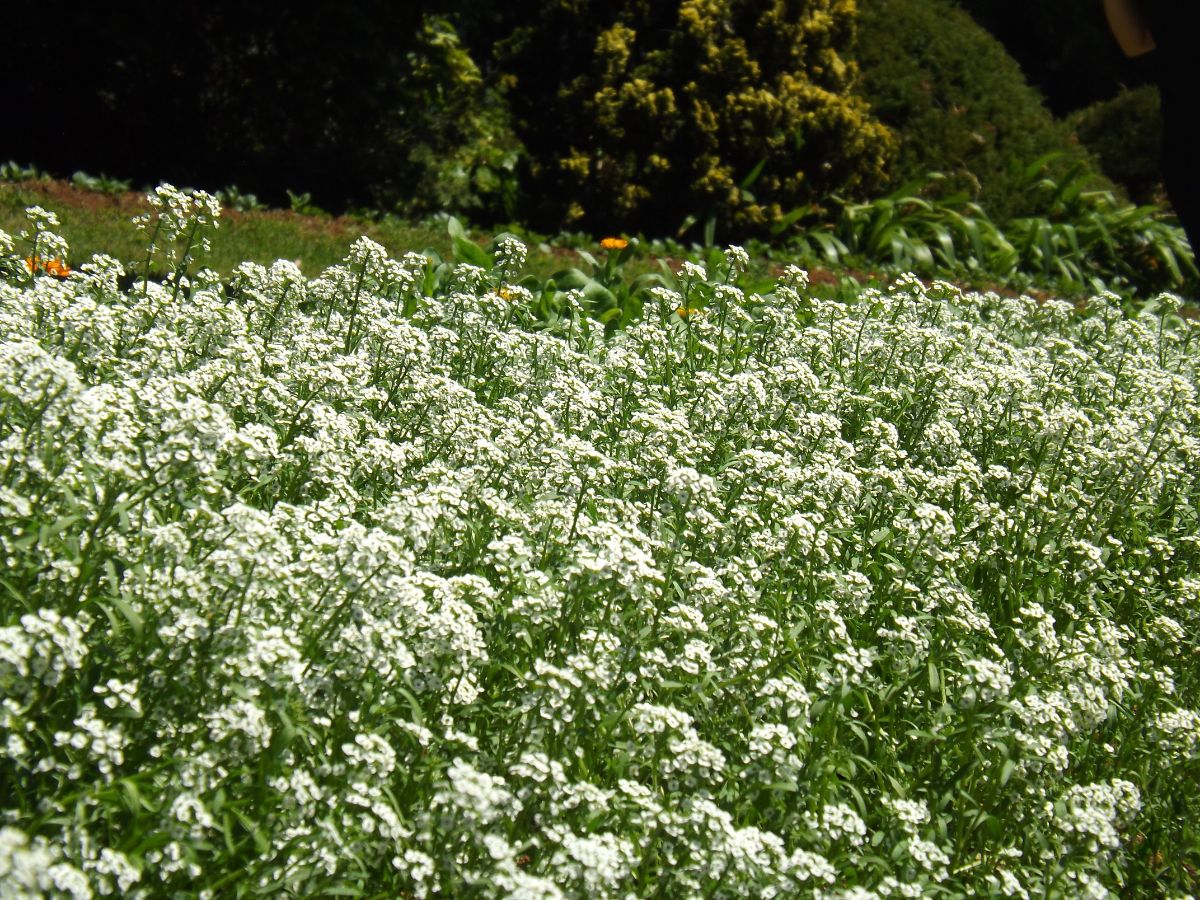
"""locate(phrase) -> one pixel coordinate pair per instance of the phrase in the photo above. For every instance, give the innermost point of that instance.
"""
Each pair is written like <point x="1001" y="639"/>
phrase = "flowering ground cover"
<point x="376" y="584"/>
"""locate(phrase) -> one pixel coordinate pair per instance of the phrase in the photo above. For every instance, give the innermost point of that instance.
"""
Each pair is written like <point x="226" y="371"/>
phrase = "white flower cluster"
<point x="43" y="648"/>
<point x="174" y="212"/>
<point x="1096" y="812"/>
<point x="359" y="583"/>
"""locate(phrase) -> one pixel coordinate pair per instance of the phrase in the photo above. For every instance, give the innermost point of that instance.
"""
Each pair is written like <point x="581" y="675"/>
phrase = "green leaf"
<point x="129" y="615"/>
<point x="627" y="251"/>
<point x="289" y="730"/>
<point x="833" y="249"/>
<point x="57" y="526"/>
<point x="12" y="590"/>
<point x="749" y="180"/>
<point x="227" y="832"/>
<point x="1006" y="771"/>
<point x="788" y="219"/>
<point x="414" y="705"/>
<point x="599" y="296"/>
<point x="133" y="797"/>
<point x="261" y="842"/>
<point x="469" y="252"/>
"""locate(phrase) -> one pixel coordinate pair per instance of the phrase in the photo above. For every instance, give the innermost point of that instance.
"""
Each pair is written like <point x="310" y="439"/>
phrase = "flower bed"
<point x="353" y="585"/>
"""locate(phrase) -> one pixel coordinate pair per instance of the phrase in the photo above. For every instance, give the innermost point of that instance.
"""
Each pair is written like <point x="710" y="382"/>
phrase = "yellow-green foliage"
<point x="449" y="145"/>
<point x="635" y="114"/>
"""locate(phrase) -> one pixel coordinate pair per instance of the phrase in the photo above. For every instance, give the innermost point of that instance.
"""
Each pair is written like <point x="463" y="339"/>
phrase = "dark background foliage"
<point x="473" y="107"/>
<point x="326" y="98"/>
<point x="1063" y="47"/>
<point x="958" y="102"/>
<point x="1123" y="133"/>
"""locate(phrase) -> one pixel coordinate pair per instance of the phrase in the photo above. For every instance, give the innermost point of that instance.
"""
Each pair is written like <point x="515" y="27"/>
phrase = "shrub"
<point x="454" y="141"/>
<point x="1123" y="133"/>
<point x="404" y="122"/>
<point x="956" y="101"/>
<point x="636" y="114"/>
<point x="365" y="102"/>
<point x="1065" y="48"/>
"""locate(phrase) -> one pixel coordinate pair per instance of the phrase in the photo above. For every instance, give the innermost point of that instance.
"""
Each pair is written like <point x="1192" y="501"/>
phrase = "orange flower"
<point x="50" y="267"/>
<point x="614" y="243"/>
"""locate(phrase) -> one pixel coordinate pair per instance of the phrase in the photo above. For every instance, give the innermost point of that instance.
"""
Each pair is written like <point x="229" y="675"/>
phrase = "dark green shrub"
<point x="1064" y="48"/>
<point x="636" y="114"/>
<point x="956" y="100"/>
<point x="454" y="148"/>
<point x="1124" y="134"/>
<point x="361" y="102"/>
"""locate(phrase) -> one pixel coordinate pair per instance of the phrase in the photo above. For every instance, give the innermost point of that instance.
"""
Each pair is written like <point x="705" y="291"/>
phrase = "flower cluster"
<point x="358" y="584"/>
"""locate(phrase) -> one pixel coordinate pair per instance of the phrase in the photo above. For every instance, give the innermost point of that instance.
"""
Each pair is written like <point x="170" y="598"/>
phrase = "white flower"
<point x="837" y="821"/>
<point x="736" y="258"/>
<point x="1097" y="811"/>
<point x="482" y="797"/>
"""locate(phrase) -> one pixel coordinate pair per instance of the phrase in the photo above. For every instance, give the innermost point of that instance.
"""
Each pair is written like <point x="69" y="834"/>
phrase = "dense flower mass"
<point x="359" y="584"/>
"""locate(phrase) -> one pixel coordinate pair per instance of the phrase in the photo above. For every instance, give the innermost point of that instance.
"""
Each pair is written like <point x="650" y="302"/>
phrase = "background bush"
<point x="454" y="135"/>
<point x="359" y="103"/>
<point x="1124" y="134"/>
<point x="1064" y="48"/>
<point x="636" y="114"/>
<point x="956" y="100"/>
<point x="630" y="117"/>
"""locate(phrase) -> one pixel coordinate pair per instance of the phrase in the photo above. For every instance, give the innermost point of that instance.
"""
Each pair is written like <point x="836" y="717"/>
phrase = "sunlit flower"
<point x="50" y="266"/>
<point x="614" y="243"/>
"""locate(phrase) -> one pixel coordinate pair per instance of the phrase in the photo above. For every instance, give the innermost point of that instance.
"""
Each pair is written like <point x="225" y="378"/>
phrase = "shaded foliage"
<point x="1124" y="133"/>
<point x="635" y="115"/>
<point x="957" y="101"/>
<point x="355" y="102"/>
<point x="1064" y="48"/>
